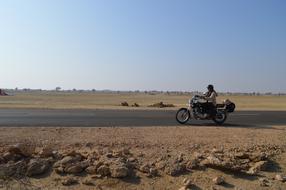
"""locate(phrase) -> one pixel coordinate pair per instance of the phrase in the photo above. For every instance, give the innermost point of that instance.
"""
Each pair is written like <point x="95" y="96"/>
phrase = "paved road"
<point x="107" y="118"/>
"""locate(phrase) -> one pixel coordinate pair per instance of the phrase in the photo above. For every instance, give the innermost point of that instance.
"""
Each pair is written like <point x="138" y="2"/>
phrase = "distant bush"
<point x="135" y="105"/>
<point x="124" y="104"/>
<point x="161" y="105"/>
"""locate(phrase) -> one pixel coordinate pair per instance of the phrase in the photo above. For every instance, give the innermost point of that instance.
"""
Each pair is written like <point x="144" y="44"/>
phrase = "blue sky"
<point x="238" y="46"/>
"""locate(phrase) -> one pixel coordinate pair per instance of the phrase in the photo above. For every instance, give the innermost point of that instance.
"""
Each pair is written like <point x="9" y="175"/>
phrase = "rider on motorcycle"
<point x="210" y="97"/>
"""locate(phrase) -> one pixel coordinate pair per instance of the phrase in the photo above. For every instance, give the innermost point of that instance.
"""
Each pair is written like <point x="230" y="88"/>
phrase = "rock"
<point x="23" y="149"/>
<point x="75" y="168"/>
<point x="213" y="161"/>
<point x="69" y="181"/>
<point x="60" y="170"/>
<point x="132" y="159"/>
<point x="192" y="164"/>
<point x="175" y="169"/>
<point x="217" y="151"/>
<point x="241" y="155"/>
<point x="67" y="161"/>
<point x="153" y="172"/>
<point x="198" y="155"/>
<point x="187" y="182"/>
<point x="256" y="157"/>
<point x="218" y="180"/>
<point x="103" y="170"/>
<point x="180" y="157"/>
<point x="88" y="181"/>
<point x="281" y="178"/>
<point x="37" y="167"/>
<point x="8" y="156"/>
<point x="145" y="168"/>
<point x="13" y="169"/>
<point x="160" y="165"/>
<point x="257" y="167"/>
<point x="91" y="169"/>
<point x="46" y="151"/>
<point x="263" y="182"/>
<point x="119" y="171"/>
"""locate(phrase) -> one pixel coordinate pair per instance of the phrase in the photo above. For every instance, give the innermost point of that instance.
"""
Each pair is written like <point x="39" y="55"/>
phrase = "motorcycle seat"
<point x="220" y="105"/>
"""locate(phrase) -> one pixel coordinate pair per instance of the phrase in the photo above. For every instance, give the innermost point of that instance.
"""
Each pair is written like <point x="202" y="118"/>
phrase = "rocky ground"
<point x="143" y="158"/>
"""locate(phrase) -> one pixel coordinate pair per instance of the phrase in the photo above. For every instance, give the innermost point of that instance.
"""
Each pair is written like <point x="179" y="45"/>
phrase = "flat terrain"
<point x="95" y="131"/>
<point x="136" y="118"/>
<point x="85" y="100"/>
<point x="156" y="146"/>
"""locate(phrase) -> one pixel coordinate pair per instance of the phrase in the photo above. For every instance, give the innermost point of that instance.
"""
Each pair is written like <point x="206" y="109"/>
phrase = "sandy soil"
<point x="152" y="144"/>
<point x="84" y="100"/>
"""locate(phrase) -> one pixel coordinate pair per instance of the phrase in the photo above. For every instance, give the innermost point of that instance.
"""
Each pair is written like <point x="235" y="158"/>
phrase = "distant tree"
<point x="58" y="88"/>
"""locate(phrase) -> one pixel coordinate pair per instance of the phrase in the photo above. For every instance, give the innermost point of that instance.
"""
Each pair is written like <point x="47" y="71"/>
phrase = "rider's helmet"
<point x="210" y="87"/>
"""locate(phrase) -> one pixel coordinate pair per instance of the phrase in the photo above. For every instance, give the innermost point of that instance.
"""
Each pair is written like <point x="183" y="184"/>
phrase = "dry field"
<point x="76" y="100"/>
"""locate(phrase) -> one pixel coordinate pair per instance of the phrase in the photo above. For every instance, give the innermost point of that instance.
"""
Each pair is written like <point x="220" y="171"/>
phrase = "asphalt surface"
<point x="109" y="118"/>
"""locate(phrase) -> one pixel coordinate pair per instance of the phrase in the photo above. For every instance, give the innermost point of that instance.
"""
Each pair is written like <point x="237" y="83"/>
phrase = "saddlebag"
<point x="230" y="107"/>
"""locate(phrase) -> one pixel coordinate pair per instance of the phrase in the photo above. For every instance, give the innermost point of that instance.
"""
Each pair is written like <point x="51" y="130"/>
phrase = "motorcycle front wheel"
<point x="220" y="117"/>
<point x="183" y="115"/>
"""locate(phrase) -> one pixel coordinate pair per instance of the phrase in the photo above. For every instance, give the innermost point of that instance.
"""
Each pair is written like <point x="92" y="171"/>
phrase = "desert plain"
<point x="151" y="157"/>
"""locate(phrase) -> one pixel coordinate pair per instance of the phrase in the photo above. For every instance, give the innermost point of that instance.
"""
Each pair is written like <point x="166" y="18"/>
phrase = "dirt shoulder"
<point x="148" y="157"/>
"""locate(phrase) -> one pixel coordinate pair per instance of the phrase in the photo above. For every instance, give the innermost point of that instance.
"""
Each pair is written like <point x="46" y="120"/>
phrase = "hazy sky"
<point x="144" y="44"/>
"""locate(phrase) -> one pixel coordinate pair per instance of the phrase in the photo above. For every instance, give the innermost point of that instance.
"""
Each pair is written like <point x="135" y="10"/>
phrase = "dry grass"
<point x="72" y="100"/>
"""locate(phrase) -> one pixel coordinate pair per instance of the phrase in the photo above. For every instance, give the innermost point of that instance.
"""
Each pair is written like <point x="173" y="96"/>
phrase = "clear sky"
<point x="144" y="44"/>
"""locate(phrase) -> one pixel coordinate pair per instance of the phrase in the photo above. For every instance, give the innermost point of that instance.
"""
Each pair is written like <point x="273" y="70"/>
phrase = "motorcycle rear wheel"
<point x="220" y="117"/>
<point x="183" y="115"/>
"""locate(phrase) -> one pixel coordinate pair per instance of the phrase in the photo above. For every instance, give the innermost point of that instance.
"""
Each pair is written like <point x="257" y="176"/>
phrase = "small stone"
<point x="175" y="169"/>
<point x="218" y="180"/>
<point x="37" y="167"/>
<point x="153" y="172"/>
<point x="60" y="170"/>
<point x="67" y="160"/>
<point x="8" y="156"/>
<point x="74" y="169"/>
<point x="23" y="149"/>
<point x="132" y="159"/>
<point x="263" y="182"/>
<point x="187" y="182"/>
<point x="103" y="170"/>
<point x="46" y="151"/>
<point x="96" y="176"/>
<point x="257" y="167"/>
<point x="91" y="170"/>
<point x="160" y="165"/>
<point x="192" y="164"/>
<point x="145" y="168"/>
<point x="119" y="171"/>
<point x="88" y="181"/>
<point x="69" y="181"/>
<point x="281" y="178"/>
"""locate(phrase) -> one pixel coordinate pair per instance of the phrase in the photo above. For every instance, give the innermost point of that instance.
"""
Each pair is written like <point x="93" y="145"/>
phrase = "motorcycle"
<point x="197" y="110"/>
